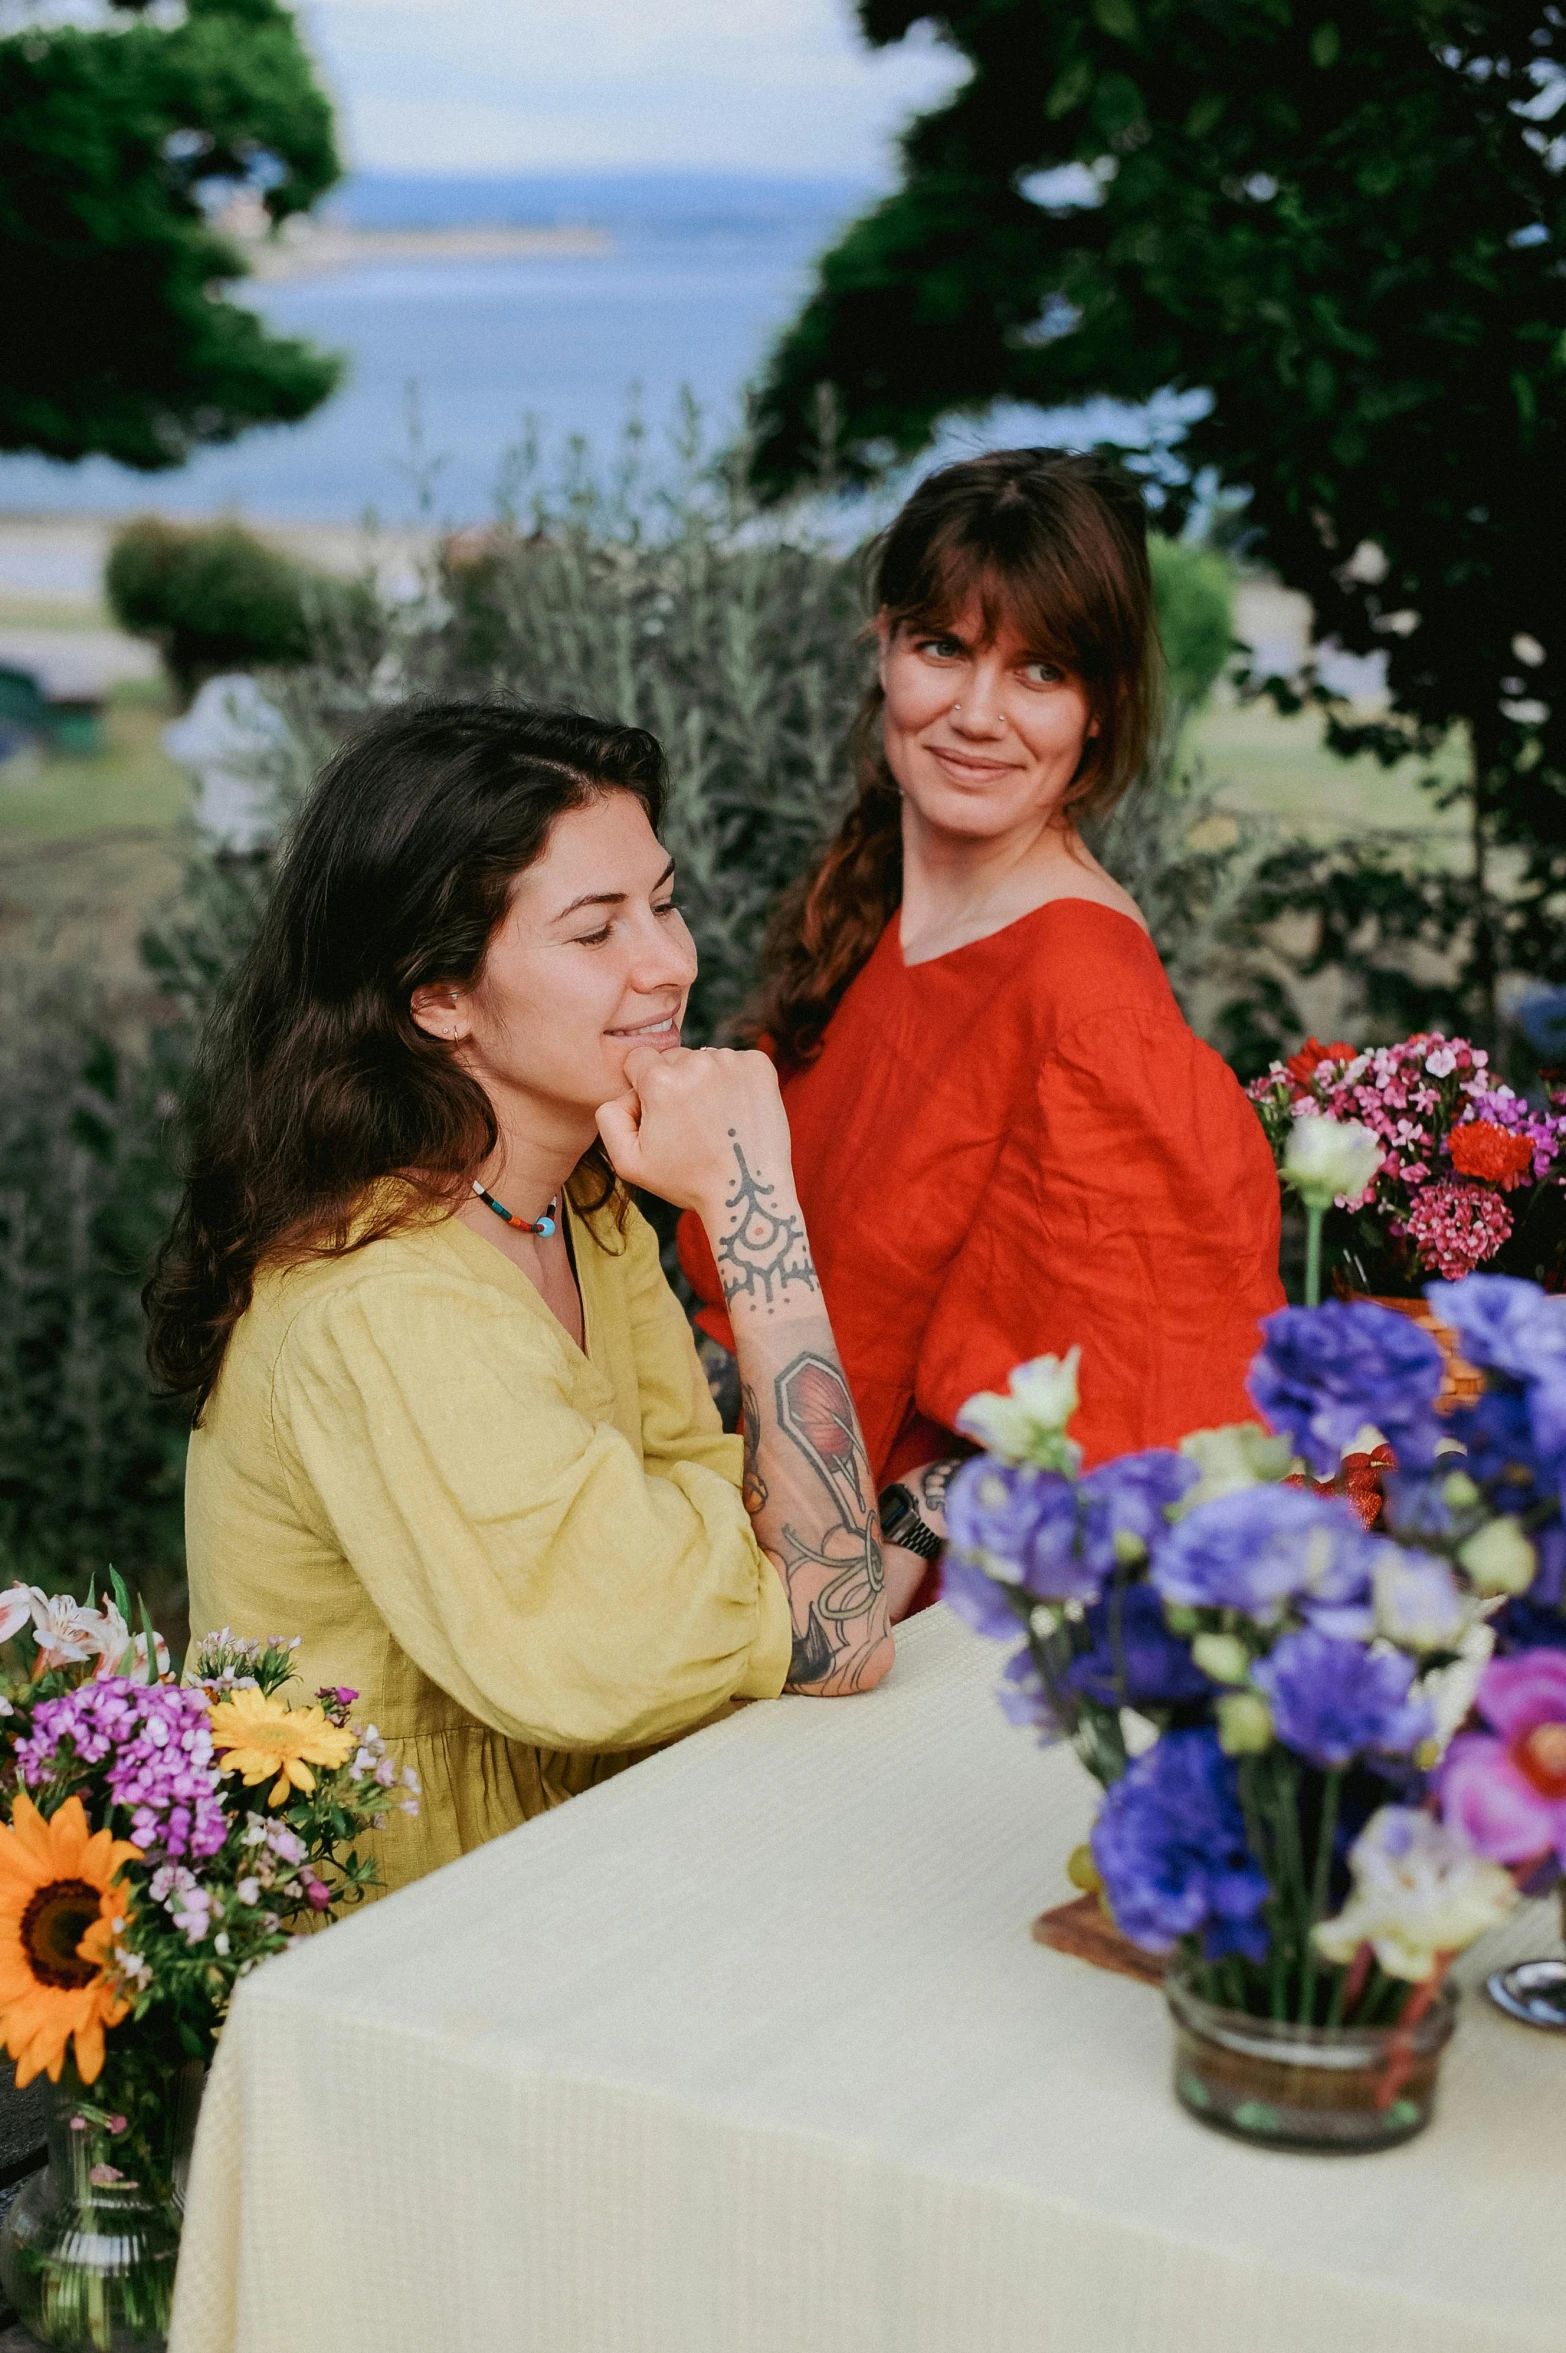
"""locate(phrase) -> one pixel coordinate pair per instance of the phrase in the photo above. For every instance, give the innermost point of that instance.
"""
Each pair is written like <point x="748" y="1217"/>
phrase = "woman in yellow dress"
<point x="449" y="1425"/>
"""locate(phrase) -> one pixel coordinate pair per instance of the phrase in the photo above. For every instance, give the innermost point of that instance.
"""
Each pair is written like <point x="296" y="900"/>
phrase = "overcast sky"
<point x="548" y="85"/>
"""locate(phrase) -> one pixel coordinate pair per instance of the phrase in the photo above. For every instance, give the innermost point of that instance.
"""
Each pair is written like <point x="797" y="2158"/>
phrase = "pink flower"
<point x="1457" y="1227"/>
<point x="1507" y="1790"/>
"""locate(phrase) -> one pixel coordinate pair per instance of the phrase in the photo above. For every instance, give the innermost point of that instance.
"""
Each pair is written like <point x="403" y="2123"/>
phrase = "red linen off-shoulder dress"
<point x="1014" y="1147"/>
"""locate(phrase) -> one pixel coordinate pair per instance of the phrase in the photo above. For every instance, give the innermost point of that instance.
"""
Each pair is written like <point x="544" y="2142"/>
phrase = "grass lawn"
<point x="1279" y="768"/>
<point x="89" y="846"/>
<point x="131" y="783"/>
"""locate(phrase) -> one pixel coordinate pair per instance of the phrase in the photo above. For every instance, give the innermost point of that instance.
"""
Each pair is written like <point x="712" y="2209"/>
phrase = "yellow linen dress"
<point x="530" y="1562"/>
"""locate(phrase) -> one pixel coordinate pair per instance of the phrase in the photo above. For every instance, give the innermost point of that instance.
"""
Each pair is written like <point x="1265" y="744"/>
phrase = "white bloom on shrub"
<point x="1031" y="1416"/>
<point x="1420" y="1890"/>
<point x="1499" y="1557"/>
<point x="1241" y="1454"/>
<point x="1328" y="1160"/>
<point x="1419" y="1603"/>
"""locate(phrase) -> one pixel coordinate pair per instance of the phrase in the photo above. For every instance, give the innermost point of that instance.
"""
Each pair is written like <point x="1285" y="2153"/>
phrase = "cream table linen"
<point x="749" y="2051"/>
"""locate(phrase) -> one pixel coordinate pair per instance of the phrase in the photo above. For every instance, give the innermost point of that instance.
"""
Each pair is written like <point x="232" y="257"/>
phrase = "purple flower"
<point x="978" y="1600"/>
<point x="1171" y="1850"/>
<point x="1023" y="1525"/>
<point x="1332" y="1701"/>
<point x="1128" y="1498"/>
<point x="1324" y="1372"/>
<point x="1504" y="1325"/>
<point x="1023" y="1697"/>
<point x="1135" y="1661"/>
<point x="1262" y="1547"/>
<point x="155" y="1743"/>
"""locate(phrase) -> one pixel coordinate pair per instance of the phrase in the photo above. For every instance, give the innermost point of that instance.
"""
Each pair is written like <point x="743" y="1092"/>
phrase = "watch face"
<point x="896" y="1508"/>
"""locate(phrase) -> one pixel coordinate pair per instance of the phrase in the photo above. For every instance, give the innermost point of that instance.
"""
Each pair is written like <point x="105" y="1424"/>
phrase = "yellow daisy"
<point x="263" y="1737"/>
<point x="58" y="1914"/>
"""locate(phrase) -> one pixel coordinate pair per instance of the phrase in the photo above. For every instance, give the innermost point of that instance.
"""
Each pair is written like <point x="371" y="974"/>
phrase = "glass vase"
<point x="88" y="2247"/>
<point x="1326" y="2089"/>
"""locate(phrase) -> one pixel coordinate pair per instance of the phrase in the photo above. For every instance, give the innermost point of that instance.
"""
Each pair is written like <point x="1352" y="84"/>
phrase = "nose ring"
<point x="956" y="707"/>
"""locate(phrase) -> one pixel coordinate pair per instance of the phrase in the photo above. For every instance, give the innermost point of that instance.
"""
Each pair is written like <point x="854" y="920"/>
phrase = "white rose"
<point x="1420" y="1890"/>
<point x="1499" y="1558"/>
<point x="1029" y="1420"/>
<point x="1419" y="1603"/>
<point x="1328" y="1160"/>
<point x="1241" y="1454"/>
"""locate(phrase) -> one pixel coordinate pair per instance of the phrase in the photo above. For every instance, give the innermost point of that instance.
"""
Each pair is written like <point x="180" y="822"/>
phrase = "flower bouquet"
<point x="1330" y="1752"/>
<point x="159" y="1840"/>
<point x="1460" y="1172"/>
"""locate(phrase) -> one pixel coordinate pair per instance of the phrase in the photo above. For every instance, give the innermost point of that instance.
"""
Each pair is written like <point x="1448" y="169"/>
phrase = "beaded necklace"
<point x="525" y="1225"/>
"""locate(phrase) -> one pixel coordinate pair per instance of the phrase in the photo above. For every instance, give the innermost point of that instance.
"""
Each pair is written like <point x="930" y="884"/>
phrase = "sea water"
<point x="452" y="363"/>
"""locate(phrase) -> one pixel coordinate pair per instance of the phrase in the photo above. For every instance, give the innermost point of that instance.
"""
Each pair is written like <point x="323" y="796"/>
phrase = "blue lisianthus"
<point x="1128" y="1499"/>
<point x="1333" y="1701"/>
<point x="1503" y="1325"/>
<point x="1171" y="1850"/>
<point x="1135" y="1661"/>
<point x="1324" y="1372"/>
<point x="1522" y="1624"/>
<point x="1496" y="1434"/>
<point x="1263" y="1547"/>
<point x="1023" y="1526"/>
<point x="978" y="1600"/>
<point x="1023" y="1697"/>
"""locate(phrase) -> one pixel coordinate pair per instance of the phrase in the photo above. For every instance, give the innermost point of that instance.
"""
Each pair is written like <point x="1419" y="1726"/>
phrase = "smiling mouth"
<point x="650" y="1030"/>
<point x="970" y="763"/>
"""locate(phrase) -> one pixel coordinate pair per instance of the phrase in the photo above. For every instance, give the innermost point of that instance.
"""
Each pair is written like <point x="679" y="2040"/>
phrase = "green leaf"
<point x="1117" y="17"/>
<point x="1205" y="115"/>
<point x="1325" y="43"/>
<point x="1070" y="89"/>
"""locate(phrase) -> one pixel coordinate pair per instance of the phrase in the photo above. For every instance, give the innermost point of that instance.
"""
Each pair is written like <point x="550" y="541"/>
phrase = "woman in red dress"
<point x="1007" y="1141"/>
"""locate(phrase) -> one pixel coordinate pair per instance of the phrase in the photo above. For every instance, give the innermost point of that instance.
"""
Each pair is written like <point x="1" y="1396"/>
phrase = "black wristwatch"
<point x="902" y="1523"/>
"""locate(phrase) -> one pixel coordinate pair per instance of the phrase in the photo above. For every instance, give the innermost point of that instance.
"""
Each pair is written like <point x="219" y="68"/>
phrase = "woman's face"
<point x="591" y="960"/>
<point x="982" y="736"/>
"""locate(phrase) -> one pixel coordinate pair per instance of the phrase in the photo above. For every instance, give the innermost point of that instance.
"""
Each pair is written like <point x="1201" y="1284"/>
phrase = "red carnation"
<point x="1481" y="1149"/>
<point x="1302" y="1067"/>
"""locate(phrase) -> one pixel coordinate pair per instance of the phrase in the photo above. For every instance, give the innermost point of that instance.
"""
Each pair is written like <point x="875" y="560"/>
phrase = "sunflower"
<point x="263" y="1737"/>
<point x="58" y="1912"/>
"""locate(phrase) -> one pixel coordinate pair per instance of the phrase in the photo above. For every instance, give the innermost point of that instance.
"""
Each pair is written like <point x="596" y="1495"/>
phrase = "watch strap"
<point x="903" y="1523"/>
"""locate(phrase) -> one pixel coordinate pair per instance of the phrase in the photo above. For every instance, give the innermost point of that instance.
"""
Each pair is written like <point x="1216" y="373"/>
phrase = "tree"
<point x="1345" y="230"/>
<point x="117" y="335"/>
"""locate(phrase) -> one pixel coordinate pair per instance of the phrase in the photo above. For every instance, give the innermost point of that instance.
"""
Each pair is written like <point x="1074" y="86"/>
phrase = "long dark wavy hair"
<point x="1055" y="545"/>
<point x="313" y="1080"/>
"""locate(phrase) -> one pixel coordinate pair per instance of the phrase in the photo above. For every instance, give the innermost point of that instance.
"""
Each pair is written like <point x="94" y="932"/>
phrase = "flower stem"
<point x="1320" y="1887"/>
<point x="1313" y="1218"/>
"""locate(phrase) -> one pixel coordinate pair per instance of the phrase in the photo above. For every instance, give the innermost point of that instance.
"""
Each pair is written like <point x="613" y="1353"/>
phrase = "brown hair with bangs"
<point x="1048" y="543"/>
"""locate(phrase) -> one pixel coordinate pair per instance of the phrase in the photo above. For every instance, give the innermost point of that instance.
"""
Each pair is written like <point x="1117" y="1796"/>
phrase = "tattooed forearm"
<point x="762" y="1248"/>
<point x="932" y="1483"/>
<point x="833" y="1568"/>
<point x="807" y="1481"/>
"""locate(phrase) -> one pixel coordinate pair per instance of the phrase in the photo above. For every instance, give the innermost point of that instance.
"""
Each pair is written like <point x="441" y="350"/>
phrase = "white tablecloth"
<point x="750" y="2051"/>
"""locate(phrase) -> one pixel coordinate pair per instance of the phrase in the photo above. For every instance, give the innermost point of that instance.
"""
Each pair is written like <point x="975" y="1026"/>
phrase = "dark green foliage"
<point x="217" y="598"/>
<point x="1345" y="228"/>
<point x="91" y="1468"/>
<point x="117" y="338"/>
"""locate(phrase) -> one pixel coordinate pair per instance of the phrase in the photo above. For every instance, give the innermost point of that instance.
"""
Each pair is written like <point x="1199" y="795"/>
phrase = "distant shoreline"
<point x="311" y="250"/>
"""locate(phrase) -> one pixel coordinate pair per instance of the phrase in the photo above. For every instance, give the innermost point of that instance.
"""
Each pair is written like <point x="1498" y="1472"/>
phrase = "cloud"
<point x="548" y="85"/>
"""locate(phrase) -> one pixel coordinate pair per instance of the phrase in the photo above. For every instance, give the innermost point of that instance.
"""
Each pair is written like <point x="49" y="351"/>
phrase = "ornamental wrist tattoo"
<point x="762" y="1248"/>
